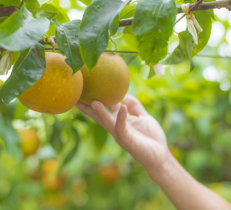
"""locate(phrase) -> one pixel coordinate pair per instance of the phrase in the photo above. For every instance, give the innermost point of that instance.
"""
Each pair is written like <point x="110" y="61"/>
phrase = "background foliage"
<point x="193" y="108"/>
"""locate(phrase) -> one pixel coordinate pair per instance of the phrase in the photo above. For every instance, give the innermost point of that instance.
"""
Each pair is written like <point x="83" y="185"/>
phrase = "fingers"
<point x="120" y="127"/>
<point x="134" y="106"/>
<point x="88" y="110"/>
<point x="115" y="108"/>
<point x="105" y="117"/>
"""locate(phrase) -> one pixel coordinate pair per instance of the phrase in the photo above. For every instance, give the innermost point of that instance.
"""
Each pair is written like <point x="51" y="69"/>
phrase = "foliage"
<point x="193" y="109"/>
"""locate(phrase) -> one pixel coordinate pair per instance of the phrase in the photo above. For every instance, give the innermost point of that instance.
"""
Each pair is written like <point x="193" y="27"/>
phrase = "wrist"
<point x="164" y="174"/>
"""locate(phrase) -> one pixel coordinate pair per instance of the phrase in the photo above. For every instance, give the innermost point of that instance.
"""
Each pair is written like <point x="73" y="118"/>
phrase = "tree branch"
<point x="7" y="11"/>
<point x="193" y="7"/>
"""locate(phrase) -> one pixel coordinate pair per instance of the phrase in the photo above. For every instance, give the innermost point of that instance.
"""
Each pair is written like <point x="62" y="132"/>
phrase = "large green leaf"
<point x="114" y="26"/>
<point x="7" y="3"/>
<point x="46" y="10"/>
<point x="21" y="30"/>
<point x="151" y="72"/>
<point x="186" y="43"/>
<point x="10" y="137"/>
<point x="27" y="71"/>
<point x="2" y="19"/>
<point x="68" y="42"/>
<point x="182" y="52"/>
<point x="128" y="11"/>
<point x="203" y="37"/>
<point x="93" y="33"/>
<point x="186" y="48"/>
<point x="71" y="147"/>
<point x="46" y="14"/>
<point x="55" y="138"/>
<point x="33" y="6"/>
<point x="153" y="23"/>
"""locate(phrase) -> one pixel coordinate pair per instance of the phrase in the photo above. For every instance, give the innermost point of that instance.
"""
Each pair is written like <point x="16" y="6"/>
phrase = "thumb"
<point x="120" y="126"/>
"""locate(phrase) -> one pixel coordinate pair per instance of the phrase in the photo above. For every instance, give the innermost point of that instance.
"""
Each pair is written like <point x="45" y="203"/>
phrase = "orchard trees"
<point x="190" y="108"/>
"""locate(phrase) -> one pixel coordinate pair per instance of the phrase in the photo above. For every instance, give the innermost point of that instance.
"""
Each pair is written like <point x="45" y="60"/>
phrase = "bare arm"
<point x="141" y="135"/>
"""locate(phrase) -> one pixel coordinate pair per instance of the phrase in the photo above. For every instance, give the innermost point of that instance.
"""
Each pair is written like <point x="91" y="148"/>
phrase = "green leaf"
<point x="67" y="40"/>
<point x="128" y="11"/>
<point x="2" y="19"/>
<point x="33" y="6"/>
<point x="115" y="25"/>
<point x="47" y="14"/>
<point x="61" y="17"/>
<point x="7" y="3"/>
<point x="55" y="138"/>
<point x="151" y="72"/>
<point x="186" y="43"/>
<point x="71" y="147"/>
<point x="203" y="37"/>
<point x="10" y="137"/>
<point x="99" y="135"/>
<point x="176" y="57"/>
<point x="186" y="49"/>
<point x="21" y="30"/>
<point x="114" y="42"/>
<point x="86" y="2"/>
<point x="210" y="13"/>
<point x="192" y="65"/>
<point x="93" y="33"/>
<point x="152" y="25"/>
<point x="183" y="51"/>
<point x="26" y="72"/>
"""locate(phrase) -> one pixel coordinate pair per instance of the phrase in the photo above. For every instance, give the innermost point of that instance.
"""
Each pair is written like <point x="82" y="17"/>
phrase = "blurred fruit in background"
<point x="50" y="179"/>
<point x="29" y="141"/>
<point x="192" y="107"/>
<point x="109" y="173"/>
<point x="53" y="201"/>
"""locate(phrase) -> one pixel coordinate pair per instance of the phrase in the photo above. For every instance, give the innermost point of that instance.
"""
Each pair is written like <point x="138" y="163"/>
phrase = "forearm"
<point x="184" y="191"/>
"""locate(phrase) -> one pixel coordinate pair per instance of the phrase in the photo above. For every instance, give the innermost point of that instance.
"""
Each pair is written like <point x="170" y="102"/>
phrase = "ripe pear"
<point x="108" y="82"/>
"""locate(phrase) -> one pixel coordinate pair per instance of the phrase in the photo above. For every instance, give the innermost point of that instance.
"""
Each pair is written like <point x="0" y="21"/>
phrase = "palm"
<point x="137" y="132"/>
<point x="147" y="139"/>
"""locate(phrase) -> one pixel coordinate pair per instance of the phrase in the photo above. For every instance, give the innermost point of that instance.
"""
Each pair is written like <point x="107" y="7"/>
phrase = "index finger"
<point x="134" y="106"/>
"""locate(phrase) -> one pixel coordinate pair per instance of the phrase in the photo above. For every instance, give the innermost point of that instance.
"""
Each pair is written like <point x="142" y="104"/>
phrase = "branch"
<point x="21" y="4"/>
<point x="193" y="7"/>
<point x="7" y="11"/>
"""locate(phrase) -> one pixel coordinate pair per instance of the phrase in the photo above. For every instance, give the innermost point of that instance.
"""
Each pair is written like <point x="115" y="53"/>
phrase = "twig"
<point x="7" y="11"/>
<point x="132" y="58"/>
<point x="52" y="42"/>
<point x="21" y="4"/>
<point x="193" y="7"/>
<point x="180" y="19"/>
<point x="121" y="51"/>
<point x="52" y="49"/>
<point x="213" y="56"/>
<point x="198" y="3"/>
<point x="42" y="42"/>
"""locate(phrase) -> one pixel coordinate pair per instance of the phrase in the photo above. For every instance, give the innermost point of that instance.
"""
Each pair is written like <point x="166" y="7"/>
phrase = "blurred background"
<point x="54" y="162"/>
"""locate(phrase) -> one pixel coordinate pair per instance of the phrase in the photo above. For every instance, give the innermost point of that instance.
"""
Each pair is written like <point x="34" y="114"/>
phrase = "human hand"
<point x="133" y="129"/>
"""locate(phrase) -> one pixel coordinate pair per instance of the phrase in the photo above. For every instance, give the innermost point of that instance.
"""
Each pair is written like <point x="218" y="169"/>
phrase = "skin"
<point x="142" y="136"/>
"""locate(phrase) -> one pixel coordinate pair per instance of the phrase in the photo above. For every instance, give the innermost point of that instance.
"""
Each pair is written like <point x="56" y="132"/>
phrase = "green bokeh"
<point x="194" y="113"/>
